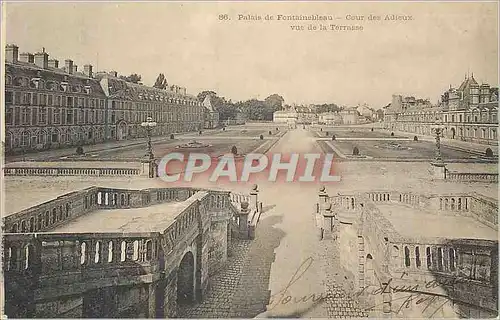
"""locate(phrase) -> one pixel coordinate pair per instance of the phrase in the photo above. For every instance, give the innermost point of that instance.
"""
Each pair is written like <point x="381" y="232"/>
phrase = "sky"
<point x="244" y="59"/>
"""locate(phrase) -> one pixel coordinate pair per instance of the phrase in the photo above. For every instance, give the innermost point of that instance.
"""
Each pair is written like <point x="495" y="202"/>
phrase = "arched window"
<point x="67" y="209"/>
<point x="110" y="251"/>
<point x="136" y="251"/>
<point x="47" y="218"/>
<point x="32" y="224"/>
<point x="14" y="228"/>
<point x="149" y="250"/>
<point x="23" y="226"/>
<point x="407" y="257"/>
<point x="440" y="259"/>
<point x="54" y="216"/>
<point x="28" y="250"/>
<point x="417" y="257"/>
<point x="83" y="253"/>
<point x="452" y="259"/>
<point x="428" y="253"/>
<point x="99" y="197"/>
<point x="123" y="251"/>
<point x="122" y="199"/>
<point x="97" y="257"/>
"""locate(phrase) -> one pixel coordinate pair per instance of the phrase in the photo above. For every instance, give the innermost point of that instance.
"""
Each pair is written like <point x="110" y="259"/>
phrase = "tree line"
<point x="253" y="109"/>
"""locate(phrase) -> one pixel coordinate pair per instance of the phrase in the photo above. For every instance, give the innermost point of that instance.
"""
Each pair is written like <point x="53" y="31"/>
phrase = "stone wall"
<point x="461" y="273"/>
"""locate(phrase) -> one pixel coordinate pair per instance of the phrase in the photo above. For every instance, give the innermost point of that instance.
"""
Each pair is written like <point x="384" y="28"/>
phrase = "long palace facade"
<point x="468" y="113"/>
<point x="50" y="106"/>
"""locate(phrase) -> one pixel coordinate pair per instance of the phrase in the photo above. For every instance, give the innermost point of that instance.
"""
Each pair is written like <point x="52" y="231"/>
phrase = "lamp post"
<point x="149" y="125"/>
<point x="438" y="129"/>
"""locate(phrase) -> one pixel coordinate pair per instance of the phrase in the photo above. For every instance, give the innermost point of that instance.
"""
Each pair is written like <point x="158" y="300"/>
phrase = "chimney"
<point x="26" y="57"/>
<point x="113" y="74"/>
<point x="53" y="63"/>
<point x="11" y="53"/>
<point x="75" y="68"/>
<point x="42" y="59"/>
<point x="68" y="66"/>
<point x="87" y="70"/>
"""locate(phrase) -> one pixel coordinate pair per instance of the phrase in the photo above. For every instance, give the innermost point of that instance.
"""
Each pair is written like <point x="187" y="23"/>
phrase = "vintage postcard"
<point x="249" y="159"/>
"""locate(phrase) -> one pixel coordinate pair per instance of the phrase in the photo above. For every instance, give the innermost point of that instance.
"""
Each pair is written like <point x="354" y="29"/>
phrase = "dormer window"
<point x="88" y="89"/>
<point x="64" y="86"/>
<point x="34" y="83"/>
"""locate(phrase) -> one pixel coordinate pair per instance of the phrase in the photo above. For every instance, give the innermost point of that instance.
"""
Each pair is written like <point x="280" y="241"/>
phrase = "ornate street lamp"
<point x="438" y="128"/>
<point x="149" y="125"/>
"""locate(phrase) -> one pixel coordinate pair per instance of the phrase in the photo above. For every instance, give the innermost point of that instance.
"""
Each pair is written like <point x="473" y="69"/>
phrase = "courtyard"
<point x="400" y="149"/>
<point x="353" y="133"/>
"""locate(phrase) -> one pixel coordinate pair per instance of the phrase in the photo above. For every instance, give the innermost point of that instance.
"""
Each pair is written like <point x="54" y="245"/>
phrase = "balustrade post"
<point x="323" y="200"/>
<point x="329" y="223"/>
<point x="254" y="195"/>
<point x="243" y="220"/>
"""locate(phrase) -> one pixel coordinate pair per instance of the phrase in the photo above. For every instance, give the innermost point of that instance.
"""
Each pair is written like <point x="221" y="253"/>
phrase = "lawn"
<point x="400" y="149"/>
<point x="350" y="133"/>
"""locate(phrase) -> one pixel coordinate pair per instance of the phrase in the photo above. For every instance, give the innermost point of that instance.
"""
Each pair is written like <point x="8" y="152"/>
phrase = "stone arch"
<point x="453" y="133"/>
<point x="121" y="130"/>
<point x="489" y="152"/>
<point x="186" y="280"/>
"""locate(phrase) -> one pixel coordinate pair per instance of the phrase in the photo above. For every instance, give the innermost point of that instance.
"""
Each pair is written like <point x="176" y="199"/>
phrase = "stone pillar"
<point x="254" y="197"/>
<point x="328" y="223"/>
<point x="243" y="220"/>
<point x="438" y="170"/>
<point x="145" y="168"/>
<point x="323" y="200"/>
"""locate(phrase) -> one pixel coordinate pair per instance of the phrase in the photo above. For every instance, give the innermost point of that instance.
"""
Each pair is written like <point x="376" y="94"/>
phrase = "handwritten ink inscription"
<point x="417" y="293"/>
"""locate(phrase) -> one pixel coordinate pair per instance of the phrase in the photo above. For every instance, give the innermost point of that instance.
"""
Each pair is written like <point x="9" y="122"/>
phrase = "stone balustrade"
<point x="53" y="213"/>
<point x="471" y="177"/>
<point x="55" y="171"/>
<point x="465" y="270"/>
<point x="52" y="254"/>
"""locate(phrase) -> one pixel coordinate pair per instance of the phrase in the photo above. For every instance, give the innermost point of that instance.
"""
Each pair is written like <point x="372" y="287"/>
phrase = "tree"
<point x="380" y="114"/>
<point x="161" y="82"/>
<point x="133" y="78"/>
<point x="201" y="96"/>
<point x="275" y="101"/>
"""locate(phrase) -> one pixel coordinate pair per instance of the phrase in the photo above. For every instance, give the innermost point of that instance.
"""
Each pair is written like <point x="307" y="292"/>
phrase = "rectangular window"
<point x="80" y="102"/>
<point x="69" y="116"/>
<point x="8" y="115"/>
<point x="75" y="117"/>
<point x="86" y="102"/>
<point x="50" y="100"/>
<point x="8" y="97"/>
<point x="56" y="116"/>
<point x="17" y="98"/>
<point x="102" y="103"/>
<point x="34" y="116"/>
<point x="43" y="115"/>
<point x="86" y="116"/>
<point x="25" y="115"/>
<point x="63" y="117"/>
<point x="81" y="116"/>
<point x="35" y="99"/>
<point x="17" y="115"/>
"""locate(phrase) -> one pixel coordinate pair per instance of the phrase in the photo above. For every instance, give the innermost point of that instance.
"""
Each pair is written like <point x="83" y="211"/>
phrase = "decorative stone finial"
<point x="322" y="189"/>
<point x="244" y="205"/>
<point x="255" y="187"/>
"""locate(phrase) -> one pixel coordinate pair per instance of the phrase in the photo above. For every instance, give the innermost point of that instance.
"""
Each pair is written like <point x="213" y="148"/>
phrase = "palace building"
<point x="468" y="113"/>
<point x="51" y="106"/>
